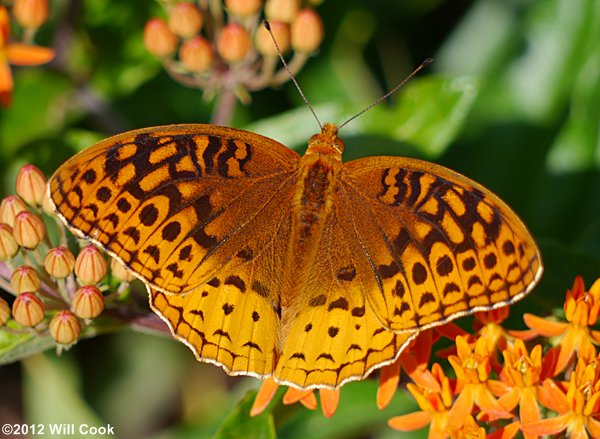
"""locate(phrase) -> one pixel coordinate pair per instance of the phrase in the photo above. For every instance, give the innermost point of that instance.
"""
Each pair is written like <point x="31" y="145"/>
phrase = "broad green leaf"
<point x="239" y="423"/>
<point x="52" y="396"/>
<point x="428" y="116"/>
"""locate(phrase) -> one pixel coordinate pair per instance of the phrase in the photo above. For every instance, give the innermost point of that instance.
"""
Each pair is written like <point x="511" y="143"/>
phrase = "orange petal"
<point x="547" y="426"/>
<point x="389" y="376"/>
<point x="4" y="26"/>
<point x="566" y="351"/>
<point x="329" y="401"/>
<point x="6" y="84"/>
<point x="593" y="426"/>
<point x="528" y="407"/>
<point x="509" y="400"/>
<point x="552" y="397"/>
<point x="264" y="396"/>
<point x="410" y="422"/>
<point x="527" y="334"/>
<point x="27" y="55"/>
<point x="450" y="331"/>
<point x="595" y="336"/>
<point x="507" y="432"/>
<point x="294" y="395"/>
<point x="463" y="350"/>
<point x="418" y="373"/>
<point x="309" y="401"/>
<point x="488" y="404"/>
<point x="544" y="327"/>
<point x="498" y="388"/>
<point x="461" y="408"/>
<point x="422" y="347"/>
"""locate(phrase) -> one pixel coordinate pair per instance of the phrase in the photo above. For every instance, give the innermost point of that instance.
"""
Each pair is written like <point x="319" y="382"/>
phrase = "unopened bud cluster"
<point x="225" y="45"/>
<point x="57" y="291"/>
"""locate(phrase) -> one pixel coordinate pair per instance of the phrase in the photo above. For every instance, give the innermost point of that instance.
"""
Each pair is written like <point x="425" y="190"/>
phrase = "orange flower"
<point x="17" y="54"/>
<point x="329" y="398"/>
<point x="472" y="368"/>
<point x="581" y="311"/>
<point x="577" y="408"/>
<point x="434" y="404"/>
<point x="521" y="376"/>
<point x="471" y="430"/>
<point x="414" y="360"/>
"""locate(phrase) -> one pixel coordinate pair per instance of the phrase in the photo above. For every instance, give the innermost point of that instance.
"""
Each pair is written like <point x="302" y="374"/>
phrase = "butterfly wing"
<point x="439" y="245"/>
<point x="334" y="336"/>
<point x="233" y="320"/>
<point x="172" y="203"/>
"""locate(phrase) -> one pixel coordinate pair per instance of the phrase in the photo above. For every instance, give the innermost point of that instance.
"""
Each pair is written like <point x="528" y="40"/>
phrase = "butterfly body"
<point x="305" y="268"/>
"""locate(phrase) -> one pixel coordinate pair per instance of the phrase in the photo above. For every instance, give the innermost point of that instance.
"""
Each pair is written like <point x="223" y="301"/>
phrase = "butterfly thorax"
<point x="313" y="203"/>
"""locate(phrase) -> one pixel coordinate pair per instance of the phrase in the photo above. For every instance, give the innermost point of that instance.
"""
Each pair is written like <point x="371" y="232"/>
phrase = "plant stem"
<point x="224" y="108"/>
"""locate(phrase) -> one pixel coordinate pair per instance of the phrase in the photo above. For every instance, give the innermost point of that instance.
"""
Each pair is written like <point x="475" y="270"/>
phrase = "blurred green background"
<point x="512" y="101"/>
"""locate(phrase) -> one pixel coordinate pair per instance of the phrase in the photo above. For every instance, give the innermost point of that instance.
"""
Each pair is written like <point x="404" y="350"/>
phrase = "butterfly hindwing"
<point x="334" y="336"/>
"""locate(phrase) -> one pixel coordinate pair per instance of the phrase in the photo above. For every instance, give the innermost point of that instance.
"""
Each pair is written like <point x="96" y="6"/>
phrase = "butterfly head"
<point x="326" y="142"/>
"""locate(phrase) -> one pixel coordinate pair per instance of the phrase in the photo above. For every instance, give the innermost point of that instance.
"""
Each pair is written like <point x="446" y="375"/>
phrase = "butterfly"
<point x="306" y="269"/>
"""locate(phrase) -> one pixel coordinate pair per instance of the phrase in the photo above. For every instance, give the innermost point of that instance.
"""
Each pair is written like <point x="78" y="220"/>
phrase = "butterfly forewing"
<point x="439" y="245"/>
<point x="170" y="202"/>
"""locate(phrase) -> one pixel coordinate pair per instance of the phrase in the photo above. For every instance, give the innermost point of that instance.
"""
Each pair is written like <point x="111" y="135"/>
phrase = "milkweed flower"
<point x="434" y="404"/>
<point x="17" y="54"/>
<point x="522" y="377"/>
<point x="574" y="337"/>
<point x="577" y="408"/>
<point x="472" y="367"/>
<point x="414" y="360"/>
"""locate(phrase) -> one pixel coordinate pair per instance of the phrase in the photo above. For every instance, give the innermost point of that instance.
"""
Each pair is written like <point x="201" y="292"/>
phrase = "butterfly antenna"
<point x="287" y="69"/>
<point x="424" y="64"/>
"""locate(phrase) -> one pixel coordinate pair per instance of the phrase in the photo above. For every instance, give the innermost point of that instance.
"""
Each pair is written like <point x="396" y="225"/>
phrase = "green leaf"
<point x="428" y="116"/>
<point x="15" y="346"/>
<point x="432" y="111"/>
<point x="239" y="423"/>
<point x="52" y="396"/>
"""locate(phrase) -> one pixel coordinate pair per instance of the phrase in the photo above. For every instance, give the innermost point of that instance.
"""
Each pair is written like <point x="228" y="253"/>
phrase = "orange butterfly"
<point x="306" y="269"/>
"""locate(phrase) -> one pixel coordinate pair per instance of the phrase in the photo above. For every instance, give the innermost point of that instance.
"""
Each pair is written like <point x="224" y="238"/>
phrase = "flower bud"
<point x="233" y="43"/>
<point x="8" y="244"/>
<point x="90" y="265"/>
<point x="31" y="185"/>
<point x="59" y="262"/>
<point x="9" y="208"/>
<point x="64" y="327"/>
<point x="30" y="13"/>
<point x="29" y="230"/>
<point x="88" y="302"/>
<point x="159" y="39"/>
<point x="196" y="54"/>
<point x="282" y="10"/>
<point x="243" y="8"/>
<point x="307" y="31"/>
<point x="185" y="19"/>
<point x="119" y="271"/>
<point x="25" y="280"/>
<point x="4" y="312"/>
<point x="264" y="42"/>
<point x="28" y="310"/>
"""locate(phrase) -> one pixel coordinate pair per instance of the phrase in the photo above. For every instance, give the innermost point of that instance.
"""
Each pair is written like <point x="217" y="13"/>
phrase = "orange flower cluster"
<point x="56" y="292"/>
<point x="30" y="14"/>
<point x="550" y="388"/>
<point x="222" y="46"/>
